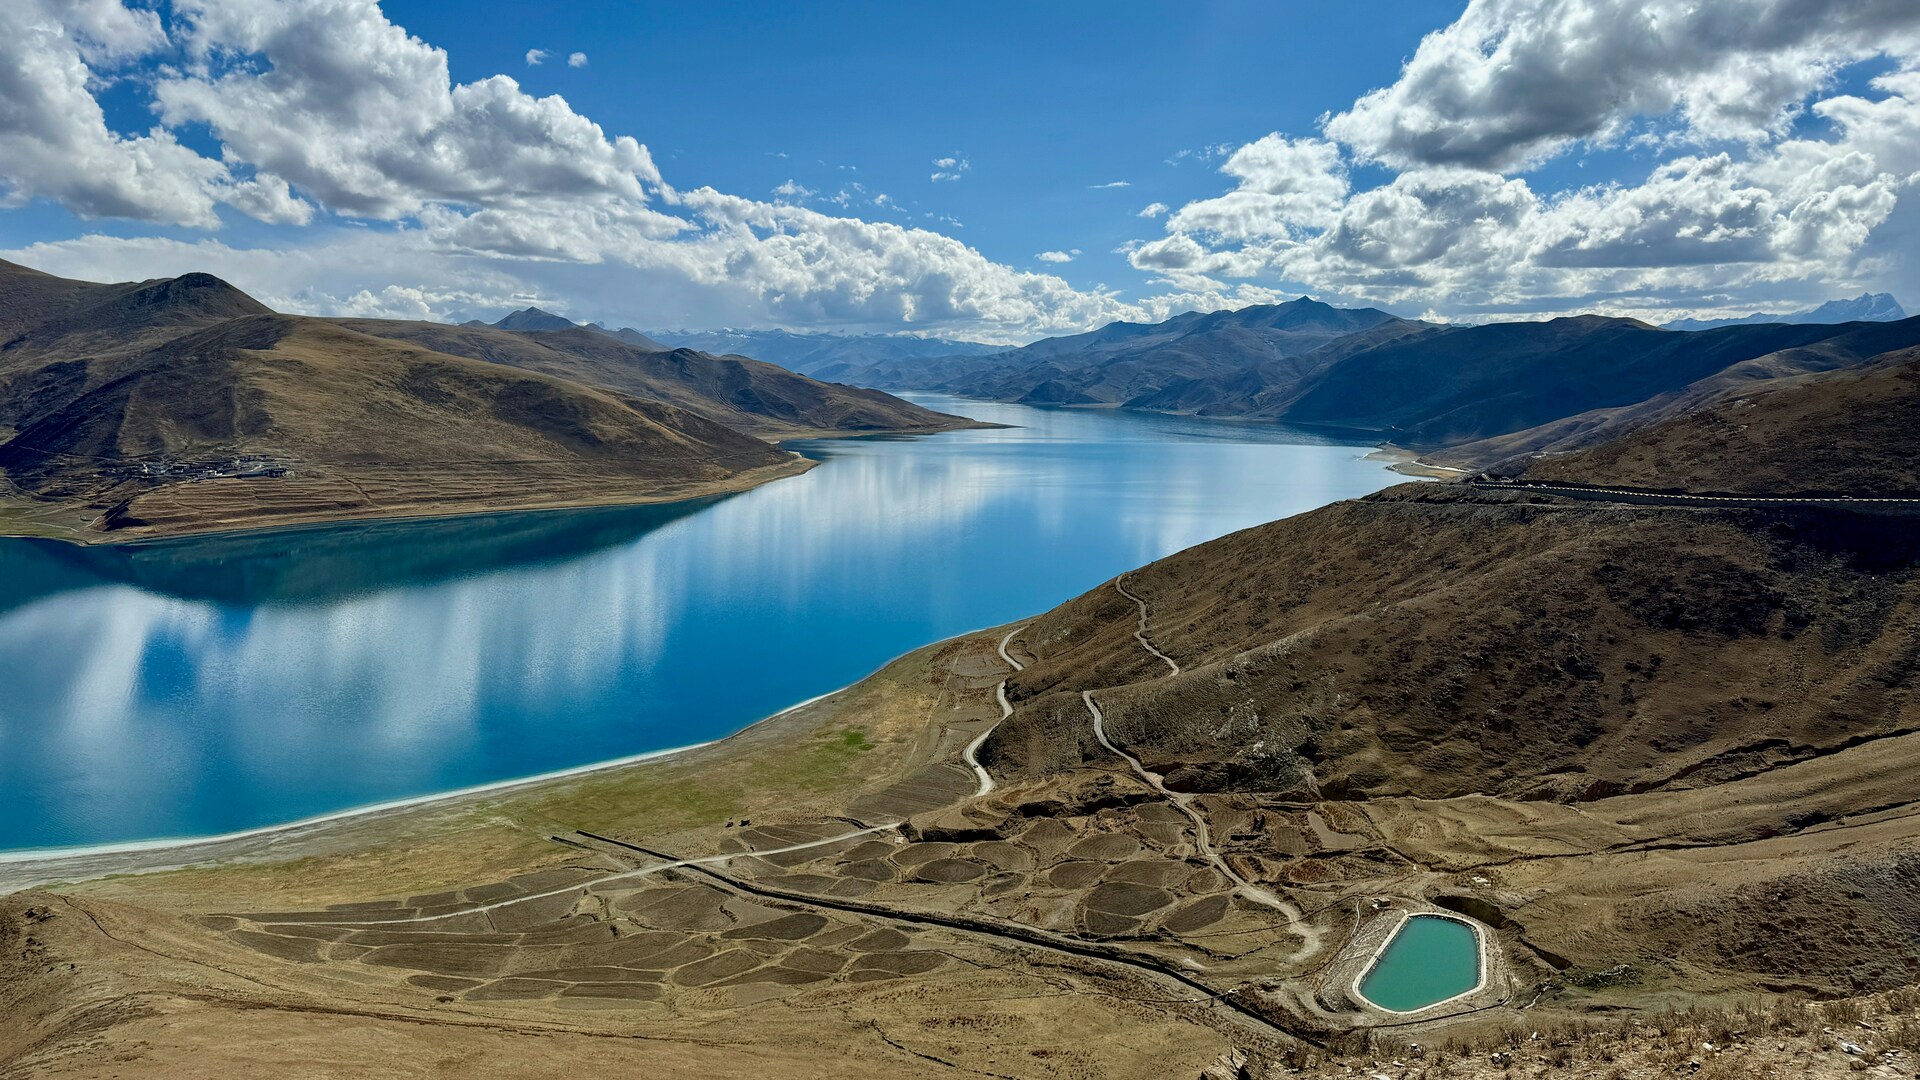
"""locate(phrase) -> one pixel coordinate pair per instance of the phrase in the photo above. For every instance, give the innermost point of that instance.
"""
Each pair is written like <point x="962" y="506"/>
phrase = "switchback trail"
<point x="1239" y="1010"/>
<point x="1140" y="634"/>
<point x="1203" y="836"/>
<point x="972" y="752"/>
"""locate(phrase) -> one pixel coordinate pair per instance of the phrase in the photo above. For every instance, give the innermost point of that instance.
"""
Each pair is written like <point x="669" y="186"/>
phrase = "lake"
<point x="203" y="686"/>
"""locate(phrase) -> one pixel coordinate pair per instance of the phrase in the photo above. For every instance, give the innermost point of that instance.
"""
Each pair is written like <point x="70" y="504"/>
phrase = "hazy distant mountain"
<point x="1867" y="307"/>
<point x="1154" y="365"/>
<point x="535" y="320"/>
<point x="634" y="337"/>
<point x="819" y="355"/>
<point x="530" y="318"/>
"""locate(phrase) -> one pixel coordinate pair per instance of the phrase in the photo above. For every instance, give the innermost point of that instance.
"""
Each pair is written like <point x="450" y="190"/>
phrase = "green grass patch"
<point x="19" y="520"/>
<point x="656" y="800"/>
<point x="824" y="762"/>
<point x="642" y="798"/>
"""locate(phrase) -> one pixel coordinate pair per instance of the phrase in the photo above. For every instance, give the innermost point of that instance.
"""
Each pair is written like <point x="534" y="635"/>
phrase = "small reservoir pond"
<point x="209" y="685"/>
<point x="1431" y="958"/>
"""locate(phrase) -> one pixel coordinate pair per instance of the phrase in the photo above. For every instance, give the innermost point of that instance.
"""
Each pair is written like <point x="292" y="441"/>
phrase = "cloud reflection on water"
<point x="204" y="686"/>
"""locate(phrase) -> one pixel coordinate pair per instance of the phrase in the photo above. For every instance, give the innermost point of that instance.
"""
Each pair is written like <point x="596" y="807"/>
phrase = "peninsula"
<point x="183" y="405"/>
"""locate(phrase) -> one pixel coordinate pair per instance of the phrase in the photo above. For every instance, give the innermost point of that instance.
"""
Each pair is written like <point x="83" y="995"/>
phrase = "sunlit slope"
<point x="1853" y="432"/>
<point x="363" y="426"/>
<point x="746" y="394"/>
<point x="135" y="409"/>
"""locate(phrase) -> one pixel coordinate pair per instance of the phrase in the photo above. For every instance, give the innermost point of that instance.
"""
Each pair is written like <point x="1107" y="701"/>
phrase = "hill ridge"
<point x="182" y="404"/>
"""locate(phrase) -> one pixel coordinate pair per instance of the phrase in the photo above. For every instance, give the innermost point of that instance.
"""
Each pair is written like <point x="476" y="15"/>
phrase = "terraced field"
<point x="587" y="947"/>
<point x="1102" y="864"/>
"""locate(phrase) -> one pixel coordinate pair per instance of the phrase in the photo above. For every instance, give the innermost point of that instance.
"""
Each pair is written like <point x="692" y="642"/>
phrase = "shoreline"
<point x="1407" y="463"/>
<point x="27" y="868"/>
<point x="798" y="465"/>
<point x="20" y="856"/>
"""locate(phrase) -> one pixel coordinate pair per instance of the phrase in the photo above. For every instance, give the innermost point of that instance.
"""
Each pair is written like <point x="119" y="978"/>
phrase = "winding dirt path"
<point x="972" y="752"/>
<point x="1140" y="633"/>
<point x="1203" y="836"/>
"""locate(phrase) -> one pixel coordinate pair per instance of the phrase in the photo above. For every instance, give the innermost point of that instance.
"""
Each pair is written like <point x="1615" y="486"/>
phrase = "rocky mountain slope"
<point x="1140" y="364"/>
<point x="1851" y="346"/>
<point x="746" y="394"/>
<point x="1459" y="384"/>
<point x="178" y="405"/>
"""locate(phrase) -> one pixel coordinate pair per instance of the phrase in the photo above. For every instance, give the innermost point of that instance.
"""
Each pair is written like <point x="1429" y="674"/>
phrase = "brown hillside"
<point x="1432" y="642"/>
<point x="1855" y="431"/>
<point x="1702" y="724"/>
<point x="364" y="425"/>
<point x="134" y="409"/>
<point x="766" y="400"/>
<point x="1661" y="756"/>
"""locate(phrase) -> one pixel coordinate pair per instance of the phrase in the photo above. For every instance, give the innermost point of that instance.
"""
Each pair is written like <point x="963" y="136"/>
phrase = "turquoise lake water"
<point x="1430" y="959"/>
<point x="204" y="686"/>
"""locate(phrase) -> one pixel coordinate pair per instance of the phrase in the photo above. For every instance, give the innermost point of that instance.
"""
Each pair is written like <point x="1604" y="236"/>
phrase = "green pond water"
<point x="1429" y="960"/>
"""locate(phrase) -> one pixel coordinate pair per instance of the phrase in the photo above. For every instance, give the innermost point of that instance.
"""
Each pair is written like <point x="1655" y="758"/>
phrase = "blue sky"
<point x="1044" y="101"/>
<point x="777" y="167"/>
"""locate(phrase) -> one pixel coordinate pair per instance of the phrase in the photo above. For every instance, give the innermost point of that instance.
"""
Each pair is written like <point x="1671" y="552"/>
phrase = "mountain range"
<point x="1867" y="307"/>
<point x="1471" y="396"/>
<point x="819" y="355"/>
<point x="182" y="404"/>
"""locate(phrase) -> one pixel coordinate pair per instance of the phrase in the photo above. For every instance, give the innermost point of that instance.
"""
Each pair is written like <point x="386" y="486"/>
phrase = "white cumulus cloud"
<point x="1739" y="201"/>
<point x="794" y="191"/>
<point x="364" y="118"/>
<point x="1514" y="81"/>
<point x="474" y="191"/>
<point x="1758" y="157"/>
<point x="54" y="139"/>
